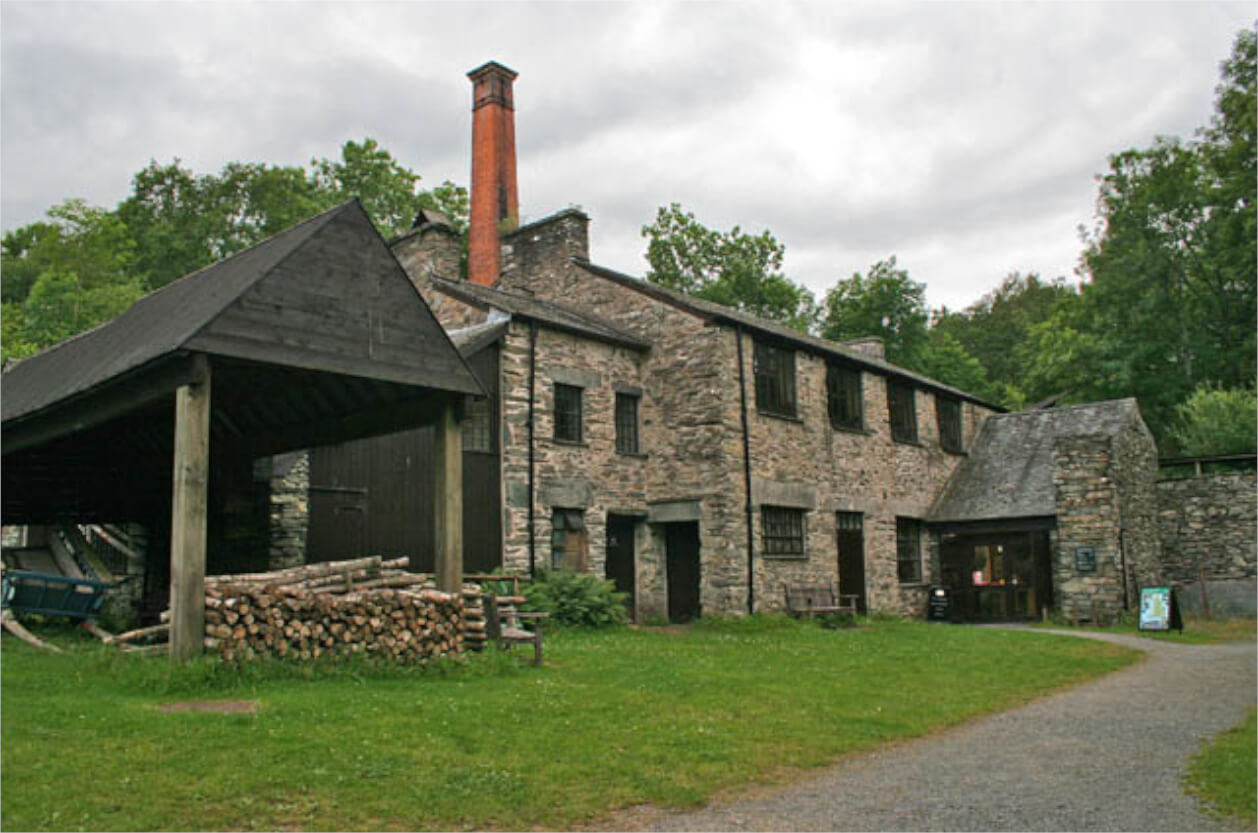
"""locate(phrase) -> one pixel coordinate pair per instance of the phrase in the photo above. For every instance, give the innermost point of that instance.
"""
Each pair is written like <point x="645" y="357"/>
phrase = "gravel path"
<point x="1106" y="755"/>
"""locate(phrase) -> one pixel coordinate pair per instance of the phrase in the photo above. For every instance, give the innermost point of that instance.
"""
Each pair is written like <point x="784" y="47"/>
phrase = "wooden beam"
<point x="118" y="397"/>
<point x="448" y="499"/>
<point x="188" y="519"/>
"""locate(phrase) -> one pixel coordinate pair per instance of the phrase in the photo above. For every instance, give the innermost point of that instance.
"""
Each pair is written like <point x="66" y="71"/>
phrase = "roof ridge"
<point x="703" y="307"/>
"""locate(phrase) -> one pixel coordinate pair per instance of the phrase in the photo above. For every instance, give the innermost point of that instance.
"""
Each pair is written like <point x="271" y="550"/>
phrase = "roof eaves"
<point x="543" y="312"/>
<point x="710" y="311"/>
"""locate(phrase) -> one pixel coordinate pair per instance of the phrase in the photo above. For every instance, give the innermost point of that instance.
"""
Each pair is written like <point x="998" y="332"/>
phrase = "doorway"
<point x="619" y="568"/>
<point x="681" y="544"/>
<point x="997" y="577"/>
<point x="850" y="537"/>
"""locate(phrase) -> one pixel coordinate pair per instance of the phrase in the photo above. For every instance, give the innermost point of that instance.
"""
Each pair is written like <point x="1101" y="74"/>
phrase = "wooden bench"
<point x="504" y="624"/>
<point x="818" y="598"/>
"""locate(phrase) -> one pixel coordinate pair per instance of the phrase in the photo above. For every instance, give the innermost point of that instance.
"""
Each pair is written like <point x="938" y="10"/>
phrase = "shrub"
<point x="576" y="599"/>
<point x="1216" y="421"/>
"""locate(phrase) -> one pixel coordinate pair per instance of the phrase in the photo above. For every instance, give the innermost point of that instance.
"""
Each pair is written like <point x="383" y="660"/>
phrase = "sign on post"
<point x="1159" y="610"/>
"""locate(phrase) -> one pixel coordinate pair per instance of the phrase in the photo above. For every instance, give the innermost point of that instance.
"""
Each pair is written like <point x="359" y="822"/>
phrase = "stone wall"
<point x="1209" y="530"/>
<point x="1135" y="474"/>
<point x="692" y="434"/>
<point x="1087" y="517"/>
<point x="290" y="509"/>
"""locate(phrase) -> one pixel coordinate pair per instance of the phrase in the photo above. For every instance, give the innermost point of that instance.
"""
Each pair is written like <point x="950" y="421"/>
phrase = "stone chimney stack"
<point x="495" y="205"/>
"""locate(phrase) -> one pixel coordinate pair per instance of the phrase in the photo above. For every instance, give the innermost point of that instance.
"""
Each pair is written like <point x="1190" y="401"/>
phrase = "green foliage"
<point x="1172" y="295"/>
<point x="994" y="331"/>
<point x="1215" y="421"/>
<point x="1222" y="773"/>
<point x="85" y="265"/>
<point x="579" y="600"/>
<point x="732" y="268"/>
<point x="885" y="303"/>
<point x="944" y="359"/>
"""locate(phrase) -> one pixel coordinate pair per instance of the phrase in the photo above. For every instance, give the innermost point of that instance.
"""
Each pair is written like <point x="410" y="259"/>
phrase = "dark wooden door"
<point x="850" y="535"/>
<point x="681" y="542"/>
<point x="619" y="568"/>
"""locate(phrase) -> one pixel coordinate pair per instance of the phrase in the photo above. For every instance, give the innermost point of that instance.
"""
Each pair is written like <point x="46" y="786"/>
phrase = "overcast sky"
<point x="964" y="138"/>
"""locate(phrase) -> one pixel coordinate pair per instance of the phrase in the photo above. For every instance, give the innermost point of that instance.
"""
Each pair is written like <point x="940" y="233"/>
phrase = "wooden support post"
<point x="448" y="501"/>
<point x="188" y="519"/>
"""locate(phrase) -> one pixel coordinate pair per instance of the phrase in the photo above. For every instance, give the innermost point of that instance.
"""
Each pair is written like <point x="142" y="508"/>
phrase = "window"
<point x="948" y="413"/>
<point x="908" y="550"/>
<point x="569" y="545"/>
<point x="782" y="531"/>
<point x="843" y="396"/>
<point x="477" y="430"/>
<point x="626" y="423"/>
<point x="775" y="380"/>
<point x="567" y="413"/>
<point x="903" y="408"/>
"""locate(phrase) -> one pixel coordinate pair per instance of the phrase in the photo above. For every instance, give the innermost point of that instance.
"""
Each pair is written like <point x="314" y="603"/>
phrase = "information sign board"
<point x="1159" y="610"/>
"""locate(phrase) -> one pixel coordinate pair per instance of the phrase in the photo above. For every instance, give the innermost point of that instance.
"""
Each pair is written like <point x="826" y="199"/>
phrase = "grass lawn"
<point x="1225" y="773"/>
<point x="615" y="719"/>
<point x="1196" y="631"/>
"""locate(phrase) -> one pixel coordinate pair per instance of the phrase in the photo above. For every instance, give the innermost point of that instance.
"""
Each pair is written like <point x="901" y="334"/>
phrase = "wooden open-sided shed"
<point x="313" y="336"/>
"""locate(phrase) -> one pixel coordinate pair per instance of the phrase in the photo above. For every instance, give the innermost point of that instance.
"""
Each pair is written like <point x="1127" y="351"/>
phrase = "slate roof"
<point x="544" y="312"/>
<point x="727" y="315"/>
<point x="1008" y="472"/>
<point x="169" y="320"/>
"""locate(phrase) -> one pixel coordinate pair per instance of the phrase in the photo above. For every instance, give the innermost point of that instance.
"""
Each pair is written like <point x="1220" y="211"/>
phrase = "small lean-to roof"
<point x="726" y="315"/>
<point x="1008" y="472"/>
<point x="546" y="313"/>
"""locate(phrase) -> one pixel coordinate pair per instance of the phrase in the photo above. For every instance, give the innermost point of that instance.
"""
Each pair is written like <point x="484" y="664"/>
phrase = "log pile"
<point x="365" y="605"/>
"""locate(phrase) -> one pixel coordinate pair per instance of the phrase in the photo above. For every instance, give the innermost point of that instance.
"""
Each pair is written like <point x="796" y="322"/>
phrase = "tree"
<point x="732" y="268"/>
<point x="995" y="329"/>
<point x="83" y="265"/>
<point x="65" y="275"/>
<point x="1216" y="421"/>
<point x="885" y="303"/>
<point x="1172" y="266"/>
<point x="944" y="359"/>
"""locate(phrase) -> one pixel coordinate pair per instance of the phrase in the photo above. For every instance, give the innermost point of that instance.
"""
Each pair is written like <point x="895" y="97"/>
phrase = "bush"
<point x="576" y="600"/>
<point x="1216" y="421"/>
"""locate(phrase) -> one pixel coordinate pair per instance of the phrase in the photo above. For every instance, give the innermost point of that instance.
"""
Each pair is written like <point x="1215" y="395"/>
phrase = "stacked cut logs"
<point x="366" y="605"/>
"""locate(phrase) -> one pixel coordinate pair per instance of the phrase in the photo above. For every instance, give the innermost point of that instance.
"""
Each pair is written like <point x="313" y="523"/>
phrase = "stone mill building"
<point x="700" y="457"/>
<point x="703" y="458"/>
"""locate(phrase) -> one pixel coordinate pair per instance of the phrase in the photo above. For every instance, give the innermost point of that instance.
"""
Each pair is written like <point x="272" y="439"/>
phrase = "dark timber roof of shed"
<point x="313" y="336"/>
<point x="727" y="315"/>
<point x="544" y="312"/>
<point x="181" y="315"/>
<point x="1009" y="470"/>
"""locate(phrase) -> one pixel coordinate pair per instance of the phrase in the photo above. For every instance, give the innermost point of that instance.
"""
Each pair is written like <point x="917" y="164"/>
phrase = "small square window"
<point x="948" y="413"/>
<point x="844" y="397"/>
<point x="908" y="550"/>
<point x="903" y="408"/>
<point x="626" y="423"/>
<point x="774" y="370"/>
<point x="782" y="531"/>
<point x="567" y="413"/>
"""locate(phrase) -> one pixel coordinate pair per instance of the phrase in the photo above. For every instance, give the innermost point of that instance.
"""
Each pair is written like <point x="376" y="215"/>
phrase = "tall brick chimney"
<point x="495" y="202"/>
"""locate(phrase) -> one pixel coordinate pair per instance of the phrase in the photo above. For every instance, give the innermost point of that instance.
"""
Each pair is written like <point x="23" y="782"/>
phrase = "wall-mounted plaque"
<point x="1085" y="559"/>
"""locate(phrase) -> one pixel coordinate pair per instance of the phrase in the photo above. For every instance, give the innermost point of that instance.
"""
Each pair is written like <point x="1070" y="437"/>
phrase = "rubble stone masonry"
<point x="693" y="441"/>
<point x="1208" y="526"/>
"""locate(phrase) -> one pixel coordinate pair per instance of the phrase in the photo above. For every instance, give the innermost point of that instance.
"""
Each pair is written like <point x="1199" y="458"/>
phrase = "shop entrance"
<point x="999" y="577"/>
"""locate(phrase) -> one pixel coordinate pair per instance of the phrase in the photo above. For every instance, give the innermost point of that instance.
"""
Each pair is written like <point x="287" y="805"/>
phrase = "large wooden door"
<point x="681" y="542"/>
<point x="619" y="567"/>
<point x="850" y="536"/>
